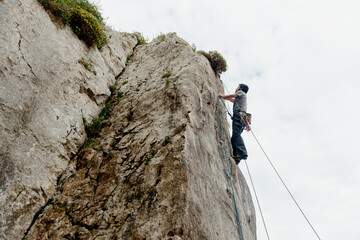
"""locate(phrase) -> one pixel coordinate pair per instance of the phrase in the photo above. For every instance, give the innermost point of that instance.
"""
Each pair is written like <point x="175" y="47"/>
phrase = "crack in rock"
<point x="22" y="54"/>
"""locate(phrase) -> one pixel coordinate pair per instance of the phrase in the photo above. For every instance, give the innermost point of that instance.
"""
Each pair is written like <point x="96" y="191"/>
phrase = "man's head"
<point x="243" y="87"/>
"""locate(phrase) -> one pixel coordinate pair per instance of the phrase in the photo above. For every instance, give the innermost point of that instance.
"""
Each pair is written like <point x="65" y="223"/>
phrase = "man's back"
<point x="240" y="102"/>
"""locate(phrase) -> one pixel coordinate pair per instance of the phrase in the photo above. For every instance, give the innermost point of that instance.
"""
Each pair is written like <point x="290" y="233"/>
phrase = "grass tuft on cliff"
<point x="217" y="61"/>
<point x="84" y="18"/>
<point x="93" y="129"/>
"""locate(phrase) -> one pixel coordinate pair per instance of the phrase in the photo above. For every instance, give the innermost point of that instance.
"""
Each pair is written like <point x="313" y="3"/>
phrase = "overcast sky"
<point x="301" y="61"/>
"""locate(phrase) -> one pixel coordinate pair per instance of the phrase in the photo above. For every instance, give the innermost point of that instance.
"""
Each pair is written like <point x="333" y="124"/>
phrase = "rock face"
<point x="44" y="94"/>
<point x="157" y="169"/>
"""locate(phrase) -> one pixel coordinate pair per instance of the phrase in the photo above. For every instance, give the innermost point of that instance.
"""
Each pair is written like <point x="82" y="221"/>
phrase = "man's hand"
<point x="220" y="95"/>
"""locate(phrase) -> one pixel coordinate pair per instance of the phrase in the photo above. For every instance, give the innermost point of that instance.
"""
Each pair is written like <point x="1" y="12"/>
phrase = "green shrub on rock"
<point x="89" y="7"/>
<point x="217" y="61"/>
<point x="83" y="16"/>
<point x="86" y="26"/>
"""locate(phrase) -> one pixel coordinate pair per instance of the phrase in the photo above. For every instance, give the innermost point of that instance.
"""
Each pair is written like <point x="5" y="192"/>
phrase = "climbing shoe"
<point x="237" y="160"/>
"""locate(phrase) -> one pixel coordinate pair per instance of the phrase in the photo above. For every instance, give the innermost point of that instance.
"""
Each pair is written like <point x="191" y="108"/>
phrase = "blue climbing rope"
<point x="229" y="173"/>
<point x="225" y="107"/>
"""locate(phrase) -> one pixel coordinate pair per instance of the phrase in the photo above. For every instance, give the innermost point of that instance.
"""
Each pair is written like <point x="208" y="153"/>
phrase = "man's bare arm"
<point x="228" y="97"/>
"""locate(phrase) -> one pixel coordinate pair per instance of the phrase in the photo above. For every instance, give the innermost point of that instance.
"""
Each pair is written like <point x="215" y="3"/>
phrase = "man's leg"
<point x="237" y="142"/>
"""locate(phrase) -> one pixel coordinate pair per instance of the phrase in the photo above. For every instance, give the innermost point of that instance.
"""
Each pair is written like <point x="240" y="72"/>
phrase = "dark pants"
<point x="237" y="142"/>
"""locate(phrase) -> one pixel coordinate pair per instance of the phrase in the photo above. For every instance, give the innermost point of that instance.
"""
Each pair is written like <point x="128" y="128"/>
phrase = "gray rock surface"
<point x="44" y="94"/>
<point x="157" y="170"/>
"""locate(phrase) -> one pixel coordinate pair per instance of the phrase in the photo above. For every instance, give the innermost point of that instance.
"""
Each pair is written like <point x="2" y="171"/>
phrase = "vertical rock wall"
<point x="44" y="94"/>
<point x="157" y="170"/>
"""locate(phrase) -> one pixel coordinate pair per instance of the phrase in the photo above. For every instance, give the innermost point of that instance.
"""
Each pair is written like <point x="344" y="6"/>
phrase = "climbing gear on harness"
<point x="245" y="119"/>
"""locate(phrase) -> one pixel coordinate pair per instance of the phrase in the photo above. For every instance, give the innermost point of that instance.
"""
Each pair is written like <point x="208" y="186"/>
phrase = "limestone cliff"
<point x="157" y="168"/>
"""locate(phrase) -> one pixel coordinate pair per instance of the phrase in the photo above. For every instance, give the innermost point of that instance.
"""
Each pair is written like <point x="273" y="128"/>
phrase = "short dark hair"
<point x="244" y="87"/>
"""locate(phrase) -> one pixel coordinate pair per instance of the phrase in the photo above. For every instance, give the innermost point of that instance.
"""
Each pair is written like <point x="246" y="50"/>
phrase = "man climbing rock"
<point x="240" y="106"/>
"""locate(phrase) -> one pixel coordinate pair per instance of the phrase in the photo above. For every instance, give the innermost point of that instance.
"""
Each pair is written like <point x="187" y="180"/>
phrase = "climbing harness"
<point x="229" y="174"/>
<point x="272" y="165"/>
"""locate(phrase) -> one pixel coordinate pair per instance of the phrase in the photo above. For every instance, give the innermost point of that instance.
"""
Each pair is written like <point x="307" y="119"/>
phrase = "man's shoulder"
<point x="240" y="93"/>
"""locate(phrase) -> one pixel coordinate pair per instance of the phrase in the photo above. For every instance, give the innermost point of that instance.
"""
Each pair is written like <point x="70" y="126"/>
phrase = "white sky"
<point x="300" y="59"/>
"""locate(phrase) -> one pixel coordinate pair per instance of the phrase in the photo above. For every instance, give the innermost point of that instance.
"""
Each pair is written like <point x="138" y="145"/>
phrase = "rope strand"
<point x="227" y="104"/>
<point x="257" y="200"/>
<point x="286" y="186"/>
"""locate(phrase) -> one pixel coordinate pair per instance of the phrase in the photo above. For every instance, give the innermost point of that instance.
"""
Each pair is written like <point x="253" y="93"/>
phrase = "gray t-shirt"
<point x="240" y="102"/>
